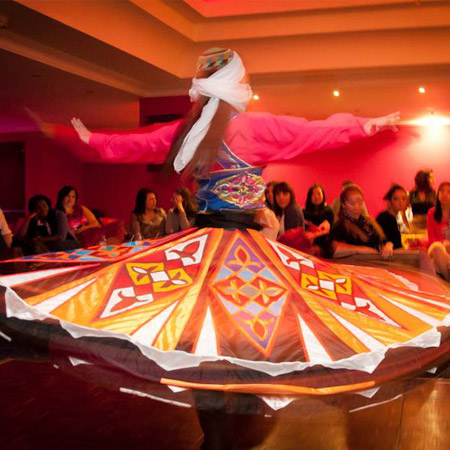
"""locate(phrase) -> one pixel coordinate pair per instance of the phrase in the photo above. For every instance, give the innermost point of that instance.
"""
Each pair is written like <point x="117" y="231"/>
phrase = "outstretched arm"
<point x="76" y="137"/>
<point x="271" y="138"/>
<point x="151" y="147"/>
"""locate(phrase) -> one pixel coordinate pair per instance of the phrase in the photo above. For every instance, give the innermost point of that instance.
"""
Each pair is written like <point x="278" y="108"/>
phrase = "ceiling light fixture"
<point x="255" y="97"/>
<point x="421" y="90"/>
<point x="336" y="93"/>
<point x="431" y="120"/>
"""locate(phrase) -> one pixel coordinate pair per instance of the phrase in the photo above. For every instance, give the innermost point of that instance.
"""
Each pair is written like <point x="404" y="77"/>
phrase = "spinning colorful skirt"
<point x="212" y="309"/>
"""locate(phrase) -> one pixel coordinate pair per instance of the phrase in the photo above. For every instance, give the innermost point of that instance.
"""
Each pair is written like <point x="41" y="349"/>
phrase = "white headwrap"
<point x="225" y="84"/>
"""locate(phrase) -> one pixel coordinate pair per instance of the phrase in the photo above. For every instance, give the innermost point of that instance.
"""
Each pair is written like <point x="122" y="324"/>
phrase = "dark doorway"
<point x="12" y="179"/>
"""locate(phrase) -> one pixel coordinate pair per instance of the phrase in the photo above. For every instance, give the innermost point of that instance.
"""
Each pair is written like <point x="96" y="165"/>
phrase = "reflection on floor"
<point x="43" y="407"/>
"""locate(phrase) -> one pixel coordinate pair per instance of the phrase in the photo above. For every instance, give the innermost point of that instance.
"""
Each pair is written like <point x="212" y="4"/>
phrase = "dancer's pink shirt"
<point x="257" y="138"/>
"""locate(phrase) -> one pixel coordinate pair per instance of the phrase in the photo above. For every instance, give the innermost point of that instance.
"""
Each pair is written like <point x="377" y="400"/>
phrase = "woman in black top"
<point x="355" y="229"/>
<point x="423" y="196"/>
<point x="397" y="201"/>
<point x="319" y="217"/>
<point x="316" y="209"/>
<point x="43" y="228"/>
<point x="285" y="208"/>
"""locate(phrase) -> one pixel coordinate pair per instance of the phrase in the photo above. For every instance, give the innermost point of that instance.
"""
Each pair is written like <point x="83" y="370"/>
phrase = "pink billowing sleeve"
<point x="262" y="138"/>
<point x="147" y="148"/>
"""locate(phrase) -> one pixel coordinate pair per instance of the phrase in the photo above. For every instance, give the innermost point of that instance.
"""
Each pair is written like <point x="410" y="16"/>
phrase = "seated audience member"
<point x="318" y="217"/>
<point x="336" y="206"/>
<point x="422" y="197"/>
<point x="397" y="202"/>
<point x="40" y="232"/>
<point x="288" y="213"/>
<point x="6" y="235"/>
<point x="82" y="224"/>
<point x="147" y="220"/>
<point x="182" y="215"/>
<point x="438" y="224"/>
<point x="268" y="194"/>
<point x="353" y="229"/>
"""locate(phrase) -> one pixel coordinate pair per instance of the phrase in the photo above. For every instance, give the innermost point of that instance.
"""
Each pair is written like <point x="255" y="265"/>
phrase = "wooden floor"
<point x="42" y="407"/>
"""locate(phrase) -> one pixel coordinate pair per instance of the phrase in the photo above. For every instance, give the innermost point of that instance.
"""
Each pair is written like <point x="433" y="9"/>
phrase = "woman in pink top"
<point x="438" y="225"/>
<point x="81" y="224"/>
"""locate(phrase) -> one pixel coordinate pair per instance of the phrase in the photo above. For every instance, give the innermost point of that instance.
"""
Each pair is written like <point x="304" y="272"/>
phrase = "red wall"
<point x="48" y="166"/>
<point x="373" y="163"/>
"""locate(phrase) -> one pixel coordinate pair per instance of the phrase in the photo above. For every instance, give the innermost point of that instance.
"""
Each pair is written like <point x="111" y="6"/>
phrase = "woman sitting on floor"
<point x="354" y="230"/>
<point x="147" y="220"/>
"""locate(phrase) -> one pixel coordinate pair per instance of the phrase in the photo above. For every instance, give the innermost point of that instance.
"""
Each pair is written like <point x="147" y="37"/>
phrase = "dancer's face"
<point x="353" y="204"/>
<point x="399" y="201"/>
<point x="317" y="196"/>
<point x="70" y="200"/>
<point x="444" y="195"/>
<point x="42" y="208"/>
<point x="150" y="202"/>
<point x="283" y="199"/>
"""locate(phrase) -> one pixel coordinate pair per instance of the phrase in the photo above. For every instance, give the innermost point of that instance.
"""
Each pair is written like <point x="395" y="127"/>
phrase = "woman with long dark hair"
<point x="286" y="209"/>
<point x="438" y="225"/>
<point x="83" y="226"/>
<point x="291" y="221"/>
<point x="182" y="215"/>
<point x="43" y="230"/>
<point x="354" y="229"/>
<point x="316" y="208"/>
<point x="147" y="220"/>
<point x="268" y="194"/>
<point x="397" y="202"/>
<point x="422" y="197"/>
<point x="319" y="218"/>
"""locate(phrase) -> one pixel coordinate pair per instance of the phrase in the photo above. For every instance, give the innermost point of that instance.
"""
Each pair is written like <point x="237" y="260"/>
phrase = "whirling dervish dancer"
<point x="224" y="147"/>
<point x="230" y="311"/>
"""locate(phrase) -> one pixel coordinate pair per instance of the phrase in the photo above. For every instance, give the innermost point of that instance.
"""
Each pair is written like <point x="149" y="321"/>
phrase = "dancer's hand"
<point x="377" y="124"/>
<point x="82" y="131"/>
<point x="46" y="128"/>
